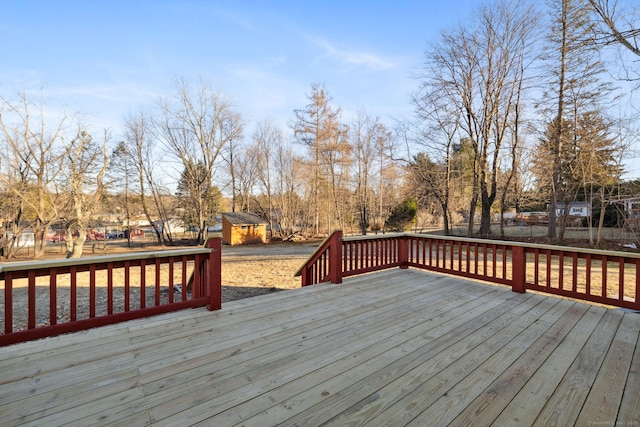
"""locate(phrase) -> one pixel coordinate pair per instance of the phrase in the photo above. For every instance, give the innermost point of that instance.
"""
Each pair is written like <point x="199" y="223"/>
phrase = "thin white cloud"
<point x="352" y="58"/>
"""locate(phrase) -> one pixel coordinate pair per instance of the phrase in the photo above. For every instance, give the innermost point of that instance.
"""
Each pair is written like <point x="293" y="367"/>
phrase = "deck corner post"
<point x="215" y="274"/>
<point x="403" y="252"/>
<point x="335" y="257"/>
<point x="518" y="269"/>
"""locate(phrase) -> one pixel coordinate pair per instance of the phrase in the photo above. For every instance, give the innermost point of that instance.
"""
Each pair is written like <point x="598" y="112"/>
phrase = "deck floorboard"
<point x="398" y="347"/>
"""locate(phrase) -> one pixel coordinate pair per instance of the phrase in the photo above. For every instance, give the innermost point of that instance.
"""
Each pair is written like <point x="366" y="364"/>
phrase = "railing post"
<point x="335" y="257"/>
<point x="518" y="270"/>
<point x="306" y="277"/>
<point x="403" y="251"/>
<point x="214" y="274"/>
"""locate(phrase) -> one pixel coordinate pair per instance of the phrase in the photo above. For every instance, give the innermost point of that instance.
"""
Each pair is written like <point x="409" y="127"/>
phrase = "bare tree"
<point x="621" y="27"/>
<point x="476" y="69"/>
<point x="231" y="155"/>
<point x="83" y="169"/>
<point x="121" y="169"/>
<point x="195" y="127"/>
<point x="367" y="134"/>
<point x="441" y="125"/>
<point x="576" y="88"/>
<point x="140" y="146"/>
<point x="317" y="127"/>
<point x="267" y="140"/>
<point x="289" y="205"/>
<point x="33" y="155"/>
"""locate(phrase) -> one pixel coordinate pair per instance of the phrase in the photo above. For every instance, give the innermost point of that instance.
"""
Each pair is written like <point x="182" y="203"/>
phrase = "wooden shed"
<point x="240" y="228"/>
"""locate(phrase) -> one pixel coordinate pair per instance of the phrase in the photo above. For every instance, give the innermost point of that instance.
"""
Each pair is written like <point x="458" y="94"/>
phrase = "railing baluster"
<point x="536" y="263"/>
<point x="31" y="292"/>
<point x="637" y="290"/>
<point x="92" y="291"/>
<point x="605" y="273"/>
<point x="53" y="296"/>
<point x="588" y="273"/>
<point x="127" y="284"/>
<point x="494" y="257"/>
<point x="185" y="267"/>
<point x="42" y="311"/>
<point x="561" y="270"/>
<point x="574" y="275"/>
<point x="157" y="284"/>
<point x="110" y="288"/>
<point x="171" y="279"/>
<point x="73" y="297"/>
<point x="621" y="279"/>
<point x="480" y="259"/>
<point x="451" y="252"/>
<point x="8" y="302"/>
<point x="549" y="261"/>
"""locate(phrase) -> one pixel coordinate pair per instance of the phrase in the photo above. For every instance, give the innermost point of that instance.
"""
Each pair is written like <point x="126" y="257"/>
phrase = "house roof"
<point x="243" y="218"/>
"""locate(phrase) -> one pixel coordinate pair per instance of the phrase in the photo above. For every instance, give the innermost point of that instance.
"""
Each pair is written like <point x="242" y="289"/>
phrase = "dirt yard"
<point x="258" y="269"/>
<point x="247" y="271"/>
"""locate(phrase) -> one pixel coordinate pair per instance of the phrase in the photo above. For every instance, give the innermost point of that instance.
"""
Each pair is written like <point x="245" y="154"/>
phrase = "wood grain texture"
<point x="398" y="347"/>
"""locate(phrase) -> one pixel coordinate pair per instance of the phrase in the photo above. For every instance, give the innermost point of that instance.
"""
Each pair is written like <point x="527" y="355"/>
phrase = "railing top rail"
<point x="54" y="263"/>
<point x="374" y="236"/>
<point x="598" y="252"/>
<point x="321" y="248"/>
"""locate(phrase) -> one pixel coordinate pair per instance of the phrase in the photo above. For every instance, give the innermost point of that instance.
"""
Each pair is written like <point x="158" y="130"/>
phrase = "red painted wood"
<point x="53" y="297"/>
<point x="73" y="297"/>
<point x="621" y="278"/>
<point x="207" y="284"/>
<point x="214" y="276"/>
<point x="604" y="276"/>
<point x="518" y="269"/>
<point x="143" y="284"/>
<point x="127" y="285"/>
<point x="8" y="302"/>
<point x="360" y="256"/>
<point x="110" y="288"/>
<point x="157" y="283"/>
<point x="31" y="322"/>
<point x="92" y="291"/>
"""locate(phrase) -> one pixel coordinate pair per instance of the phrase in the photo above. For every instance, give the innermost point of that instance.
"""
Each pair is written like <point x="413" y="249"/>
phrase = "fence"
<point x="61" y="296"/>
<point x="605" y="277"/>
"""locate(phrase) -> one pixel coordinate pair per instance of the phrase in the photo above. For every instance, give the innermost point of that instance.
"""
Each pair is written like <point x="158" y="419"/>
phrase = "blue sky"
<point x="106" y="58"/>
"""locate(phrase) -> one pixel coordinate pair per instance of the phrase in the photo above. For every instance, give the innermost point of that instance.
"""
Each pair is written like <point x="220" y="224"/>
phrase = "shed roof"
<point x="243" y="218"/>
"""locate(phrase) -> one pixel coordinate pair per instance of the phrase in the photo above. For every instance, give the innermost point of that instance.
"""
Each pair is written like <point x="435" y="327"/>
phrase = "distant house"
<point x="575" y="209"/>
<point x="239" y="228"/>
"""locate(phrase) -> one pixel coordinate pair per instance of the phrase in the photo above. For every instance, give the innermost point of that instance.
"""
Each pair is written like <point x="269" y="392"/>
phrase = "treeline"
<point x="512" y="111"/>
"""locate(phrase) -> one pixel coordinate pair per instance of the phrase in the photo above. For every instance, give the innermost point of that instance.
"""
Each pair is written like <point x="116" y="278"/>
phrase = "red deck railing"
<point x="75" y="294"/>
<point x="605" y="277"/>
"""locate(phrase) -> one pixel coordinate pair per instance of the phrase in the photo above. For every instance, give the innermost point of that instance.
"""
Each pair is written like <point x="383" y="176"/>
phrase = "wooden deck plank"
<point x="69" y="397"/>
<point x="308" y="356"/>
<point x="393" y="372"/>
<point x="103" y="342"/>
<point x="606" y="392"/>
<point x="486" y="407"/>
<point x="443" y="396"/>
<point x="283" y="319"/>
<point x="629" y="411"/>
<point x="306" y="391"/>
<point x="564" y="405"/>
<point x="400" y="346"/>
<point x="528" y="403"/>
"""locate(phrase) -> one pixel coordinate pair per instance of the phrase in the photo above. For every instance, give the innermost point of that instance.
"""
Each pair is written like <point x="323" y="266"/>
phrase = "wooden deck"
<point x="398" y="347"/>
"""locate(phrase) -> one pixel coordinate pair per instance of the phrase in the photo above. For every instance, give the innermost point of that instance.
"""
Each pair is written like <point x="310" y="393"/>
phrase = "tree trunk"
<point x="485" y="218"/>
